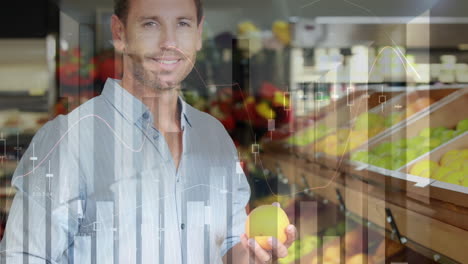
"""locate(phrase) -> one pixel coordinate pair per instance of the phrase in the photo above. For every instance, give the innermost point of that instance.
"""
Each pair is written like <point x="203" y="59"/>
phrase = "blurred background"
<point x="352" y="114"/>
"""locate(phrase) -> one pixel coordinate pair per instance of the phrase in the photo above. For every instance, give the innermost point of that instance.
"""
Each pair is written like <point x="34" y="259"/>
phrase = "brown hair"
<point x="121" y="9"/>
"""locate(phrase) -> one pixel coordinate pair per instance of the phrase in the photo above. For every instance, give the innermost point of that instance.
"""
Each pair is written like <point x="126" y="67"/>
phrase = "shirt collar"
<point x="132" y="108"/>
<point x="184" y="113"/>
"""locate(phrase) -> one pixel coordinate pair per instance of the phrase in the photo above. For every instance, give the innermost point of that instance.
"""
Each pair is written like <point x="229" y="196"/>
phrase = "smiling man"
<point x="136" y="175"/>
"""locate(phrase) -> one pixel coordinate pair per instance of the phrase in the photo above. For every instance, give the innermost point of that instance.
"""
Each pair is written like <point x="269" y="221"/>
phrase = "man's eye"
<point x="184" y="24"/>
<point x="149" y="24"/>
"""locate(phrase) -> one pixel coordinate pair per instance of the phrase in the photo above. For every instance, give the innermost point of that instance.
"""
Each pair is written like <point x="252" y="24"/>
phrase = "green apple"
<point x="447" y="135"/>
<point x="416" y="141"/>
<point x="368" y="120"/>
<point x="384" y="162"/>
<point x="398" y="163"/>
<point x="383" y="149"/>
<point x="401" y="143"/>
<point x="426" y="132"/>
<point x="462" y="125"/>
<point x="411" y="154"/>
<point x="362" y="156"/>
<point x="438" y="131"/>
<point x="394" y="118"/>
<point x="434" y="143"/>
<point x="458" y="132"/>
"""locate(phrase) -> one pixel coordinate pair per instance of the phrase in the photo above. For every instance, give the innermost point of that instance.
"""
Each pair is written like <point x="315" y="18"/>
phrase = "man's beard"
<point x="148" y="78"/>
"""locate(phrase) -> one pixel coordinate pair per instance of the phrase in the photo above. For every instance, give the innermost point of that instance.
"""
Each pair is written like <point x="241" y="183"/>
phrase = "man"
<point x="136" y="175"/>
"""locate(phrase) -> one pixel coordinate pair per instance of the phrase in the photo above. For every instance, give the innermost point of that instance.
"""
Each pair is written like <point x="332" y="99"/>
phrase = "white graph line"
<point x="68" y="131"/>
<point x="311" y="3"/>
<point x="399" y="53"/>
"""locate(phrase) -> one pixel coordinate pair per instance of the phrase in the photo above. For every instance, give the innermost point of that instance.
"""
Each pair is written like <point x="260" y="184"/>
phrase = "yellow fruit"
<point x="332" y="151"/>
<point x="280" y="99"/>
<point x="455" y="178"/>
<point x="246" y="27"/>
<point x="265" y="111"/>
<point x="456" y="164"/>
<point x="359" y="259"/>
<point x="281" y="31"/>
<point x="356" y="142"/>
<point x="409" y="112"/>
<point x="425" y="174"/>
<point x="424" y="168"/>
<point x="441" y="173"/>
<point x="353" y="241"/>
<point x="375" y="131"/>
<point x="449" y="156"/>
<point x="464" y="182"/>
<point x="332" y="253"/>
<point x="343" y="134"/>
<point x="464" y="153"/>
<point x="267" y="221"/>
<point x="314" y="260"/>
<point x="369" y="120"/>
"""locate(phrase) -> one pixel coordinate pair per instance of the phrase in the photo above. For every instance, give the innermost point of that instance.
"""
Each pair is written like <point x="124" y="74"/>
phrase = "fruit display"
<point x="267" y="221"/>
<point x="359" y="259"/>
<point x="451" y="168"/>
<point x="75" y="68"/>
<point x="394" y="155"/>
<point x="309" y="135"/>
<point x="366" y="125"/>
<point x="377" y="121"/>
<point x="418" y="105"/>
<point x="300" y="248"/>
<point x="352" y="241"/>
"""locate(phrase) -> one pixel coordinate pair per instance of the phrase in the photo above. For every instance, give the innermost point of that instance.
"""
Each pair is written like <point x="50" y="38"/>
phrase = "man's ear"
<point x="200" y="33"/>
<point x="118" y="34"/>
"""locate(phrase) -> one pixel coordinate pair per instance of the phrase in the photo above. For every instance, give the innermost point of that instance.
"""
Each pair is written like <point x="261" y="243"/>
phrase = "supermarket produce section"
<point x="398" y="169"/>
<point x="348" y="120"/>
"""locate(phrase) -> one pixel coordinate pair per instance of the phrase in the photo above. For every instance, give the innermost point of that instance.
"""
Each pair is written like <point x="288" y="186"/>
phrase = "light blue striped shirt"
<point x="99" y="185"/>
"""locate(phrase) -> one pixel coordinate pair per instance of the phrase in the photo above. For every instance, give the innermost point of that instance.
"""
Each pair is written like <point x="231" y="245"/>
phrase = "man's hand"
<point x="279" y="250"/>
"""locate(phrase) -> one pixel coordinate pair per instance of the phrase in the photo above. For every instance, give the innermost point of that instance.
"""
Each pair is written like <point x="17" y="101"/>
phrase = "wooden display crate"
<point x="341" y="117"/>
<point x="439" y="96"/>
<point x="446" y="114"/>
<point x="428" y="224"/>
<point x="458" y="143"/>
<point x="447" y="192"/>
<point x="324" y="115"/>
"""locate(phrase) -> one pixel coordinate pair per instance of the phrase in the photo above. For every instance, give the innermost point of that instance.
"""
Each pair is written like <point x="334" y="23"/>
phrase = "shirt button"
<point x="146" y="115"/>
<point x="155" y="137"/>
<point x="182" y="226"/>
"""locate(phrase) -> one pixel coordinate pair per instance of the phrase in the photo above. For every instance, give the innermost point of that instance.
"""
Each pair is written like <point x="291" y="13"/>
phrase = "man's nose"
<point x="168" y="38"/>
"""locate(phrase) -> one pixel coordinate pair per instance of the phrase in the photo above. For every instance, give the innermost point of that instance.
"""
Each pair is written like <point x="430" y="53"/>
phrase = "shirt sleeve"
<point x="46" y="208"/>
<point x="240" y="196"/>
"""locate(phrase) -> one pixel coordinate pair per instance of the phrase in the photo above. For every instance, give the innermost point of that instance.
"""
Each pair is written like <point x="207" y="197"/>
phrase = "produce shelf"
<point x="422" y="220"/>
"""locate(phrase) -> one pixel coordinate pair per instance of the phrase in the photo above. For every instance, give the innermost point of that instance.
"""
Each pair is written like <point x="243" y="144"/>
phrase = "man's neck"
<point x="162" y="104"/>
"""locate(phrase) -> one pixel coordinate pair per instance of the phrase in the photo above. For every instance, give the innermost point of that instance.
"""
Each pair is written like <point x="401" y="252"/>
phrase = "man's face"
<point x="161" y="41"/>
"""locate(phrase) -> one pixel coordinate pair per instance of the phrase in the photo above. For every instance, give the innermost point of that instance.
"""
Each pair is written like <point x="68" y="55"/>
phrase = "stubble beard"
<point x="150" y="79"/>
